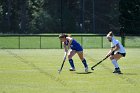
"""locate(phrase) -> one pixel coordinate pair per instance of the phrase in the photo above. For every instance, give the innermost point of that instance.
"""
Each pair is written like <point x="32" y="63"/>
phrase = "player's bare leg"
<point x="70" y="55"/>
<point x="114" y="59"/>
<point x="80" y="54"/>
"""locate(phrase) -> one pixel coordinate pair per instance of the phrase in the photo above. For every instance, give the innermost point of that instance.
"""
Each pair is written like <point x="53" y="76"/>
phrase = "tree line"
<point x="69" y="16"/>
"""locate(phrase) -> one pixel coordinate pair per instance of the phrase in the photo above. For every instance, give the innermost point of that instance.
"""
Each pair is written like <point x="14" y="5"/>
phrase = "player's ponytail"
<point x="110" y="34"/>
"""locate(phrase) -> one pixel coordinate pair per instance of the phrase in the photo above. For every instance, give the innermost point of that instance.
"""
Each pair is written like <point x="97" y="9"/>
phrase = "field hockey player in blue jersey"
<point x="74" y="47"/>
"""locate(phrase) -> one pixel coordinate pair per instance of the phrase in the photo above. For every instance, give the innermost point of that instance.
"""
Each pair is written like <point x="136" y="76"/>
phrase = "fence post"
<point x="40" y="42"/>
<point x="102" y="42"/>
<point x="123" y="40"/>
<point x="19" y="42"/>
<point x="82" y="40"/>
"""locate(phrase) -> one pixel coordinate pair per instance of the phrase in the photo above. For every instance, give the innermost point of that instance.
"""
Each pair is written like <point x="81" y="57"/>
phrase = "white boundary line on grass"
<point x="57" y="79"/>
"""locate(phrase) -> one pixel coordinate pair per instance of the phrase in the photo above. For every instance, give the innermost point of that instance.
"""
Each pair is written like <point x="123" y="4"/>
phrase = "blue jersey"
<point x="74" y="45"/>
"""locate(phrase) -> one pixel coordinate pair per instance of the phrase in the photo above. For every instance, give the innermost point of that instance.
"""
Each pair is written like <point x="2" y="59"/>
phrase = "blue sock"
<point x="85" y="63"/>
<point x="71" y="63"/>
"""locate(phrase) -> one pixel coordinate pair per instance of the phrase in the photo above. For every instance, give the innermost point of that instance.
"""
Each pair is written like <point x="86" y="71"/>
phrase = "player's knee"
<point x="111" y="57"/>
<point x="82" y="59"/>
<point x="69" y="56"/>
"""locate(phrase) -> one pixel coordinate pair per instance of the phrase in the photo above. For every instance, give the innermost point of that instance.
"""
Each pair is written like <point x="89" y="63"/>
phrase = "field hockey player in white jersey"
<point x="116" y="52"/>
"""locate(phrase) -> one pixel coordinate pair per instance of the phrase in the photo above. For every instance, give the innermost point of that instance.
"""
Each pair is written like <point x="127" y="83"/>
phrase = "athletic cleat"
<point x="86" y="69"/>
<point x="117" y="70"/>
<point x="114" y="71"/>
<point x="120" y="72"/>
<point x="72" y="69"/>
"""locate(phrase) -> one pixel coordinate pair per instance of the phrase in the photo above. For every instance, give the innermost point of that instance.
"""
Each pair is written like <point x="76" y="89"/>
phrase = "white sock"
<point x="114" y="62"/>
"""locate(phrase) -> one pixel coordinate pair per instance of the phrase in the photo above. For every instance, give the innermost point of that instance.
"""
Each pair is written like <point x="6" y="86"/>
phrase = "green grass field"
<point x="36" y="71"/>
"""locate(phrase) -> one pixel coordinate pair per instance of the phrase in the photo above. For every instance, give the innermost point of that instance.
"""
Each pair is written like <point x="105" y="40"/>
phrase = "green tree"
<point x="130" y="16"/>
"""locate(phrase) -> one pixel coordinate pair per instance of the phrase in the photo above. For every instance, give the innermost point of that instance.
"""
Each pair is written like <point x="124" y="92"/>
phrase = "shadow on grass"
<point x="83" y="72"/>
<point x="130" y="74"/>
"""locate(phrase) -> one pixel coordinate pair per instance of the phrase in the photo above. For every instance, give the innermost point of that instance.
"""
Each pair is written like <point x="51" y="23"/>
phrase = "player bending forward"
<point x="116" y="52"/>
<point x="75" y="47"/>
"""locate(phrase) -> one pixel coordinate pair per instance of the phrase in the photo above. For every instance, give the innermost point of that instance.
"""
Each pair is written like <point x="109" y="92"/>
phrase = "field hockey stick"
<point x="92" y="68"/>
<point x="65" y="56"/>
<point x="62" y="63"/>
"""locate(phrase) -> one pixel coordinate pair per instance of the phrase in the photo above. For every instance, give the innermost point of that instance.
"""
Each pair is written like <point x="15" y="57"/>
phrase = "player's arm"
<point x="117" y="47"/>
<point x="113" y="49"/>
<point x="70" y="41"/>
<point x="110" y="52"/>
<point x="65" y="48"/>
<point x="66" y="51"/>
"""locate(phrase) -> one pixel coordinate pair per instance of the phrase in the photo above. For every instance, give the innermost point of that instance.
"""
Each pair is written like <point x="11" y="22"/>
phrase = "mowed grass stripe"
<point x="102" y="80"/>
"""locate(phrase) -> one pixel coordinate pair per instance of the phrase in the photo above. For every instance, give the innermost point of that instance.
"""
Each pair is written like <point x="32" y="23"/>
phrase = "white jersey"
<point x="115" y="42"/>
